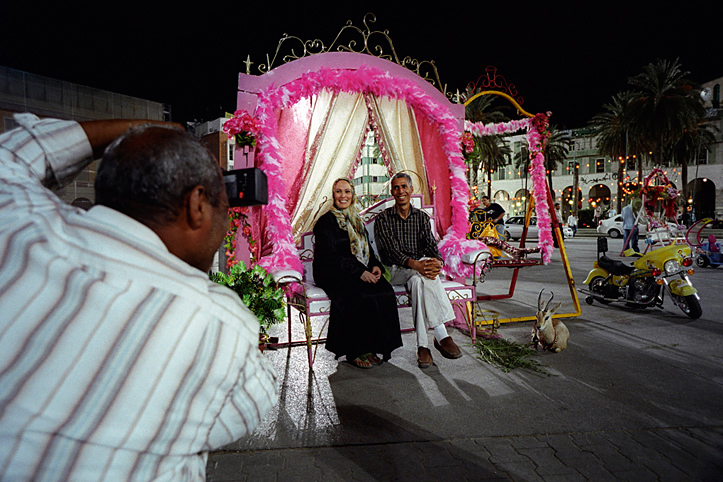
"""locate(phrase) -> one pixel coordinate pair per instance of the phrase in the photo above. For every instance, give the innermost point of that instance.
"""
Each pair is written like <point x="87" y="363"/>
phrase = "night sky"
<point x="569" y="60"/>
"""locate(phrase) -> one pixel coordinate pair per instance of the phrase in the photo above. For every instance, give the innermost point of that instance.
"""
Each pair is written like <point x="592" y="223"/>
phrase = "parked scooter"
<point x="641" y="284"/>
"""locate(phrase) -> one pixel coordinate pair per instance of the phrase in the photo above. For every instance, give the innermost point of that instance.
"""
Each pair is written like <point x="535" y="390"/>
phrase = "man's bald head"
<point x="147" y="172"/>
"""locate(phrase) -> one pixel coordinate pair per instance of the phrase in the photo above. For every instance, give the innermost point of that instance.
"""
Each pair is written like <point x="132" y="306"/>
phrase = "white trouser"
<point x="430" y="306"/>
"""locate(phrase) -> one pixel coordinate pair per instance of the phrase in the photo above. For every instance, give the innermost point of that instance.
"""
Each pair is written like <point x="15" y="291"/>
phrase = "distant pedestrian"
<point x="630" y="228"/>
<point x="598" y="214"/>
<point x="572" y="223"/>
<point x="558" y="218"/>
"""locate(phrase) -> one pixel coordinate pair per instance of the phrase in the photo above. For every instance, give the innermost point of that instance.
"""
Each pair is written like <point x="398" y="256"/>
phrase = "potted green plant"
<point x="258" y="291"/>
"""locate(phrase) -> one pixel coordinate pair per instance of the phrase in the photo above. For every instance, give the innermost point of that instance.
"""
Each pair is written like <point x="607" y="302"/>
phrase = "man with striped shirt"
<point x="407" y="246"/>
<point x="119" y="359"/>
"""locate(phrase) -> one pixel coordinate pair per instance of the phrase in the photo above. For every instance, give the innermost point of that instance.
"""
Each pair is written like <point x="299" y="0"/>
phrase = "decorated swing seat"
<point x="312" y="114"/>
<point x="311" y="301"/>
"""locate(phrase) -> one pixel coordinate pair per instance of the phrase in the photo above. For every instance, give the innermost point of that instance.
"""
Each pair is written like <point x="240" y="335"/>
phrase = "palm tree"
<point x="662" y="108"/>
<point x="494" y="154"/>
<point x="693" y="141"/>
<point x="612" y="127"/>
<point x="489" y="150"/>
<point x="557" y="147"/>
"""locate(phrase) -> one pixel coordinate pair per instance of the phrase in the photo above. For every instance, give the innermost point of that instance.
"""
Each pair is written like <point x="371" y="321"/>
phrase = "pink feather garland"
<point x="536" y="129"/>
<point x="285" y="255"/>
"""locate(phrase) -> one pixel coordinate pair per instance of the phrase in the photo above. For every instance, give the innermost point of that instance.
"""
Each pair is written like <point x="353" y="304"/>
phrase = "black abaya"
<point x="363" y="317"/>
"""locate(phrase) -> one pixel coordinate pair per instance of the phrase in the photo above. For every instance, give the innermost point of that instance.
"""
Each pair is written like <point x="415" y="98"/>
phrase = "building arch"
<point x="568" y="201"/>
<point x="702" y="193"/>
<point x="599" y="194"/>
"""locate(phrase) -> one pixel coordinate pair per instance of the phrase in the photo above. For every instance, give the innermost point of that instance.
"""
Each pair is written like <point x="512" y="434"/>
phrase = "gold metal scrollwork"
<point x="377" y="43"/>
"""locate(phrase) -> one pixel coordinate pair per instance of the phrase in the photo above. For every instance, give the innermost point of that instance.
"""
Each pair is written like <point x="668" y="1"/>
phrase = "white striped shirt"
<point x="118" y="361"/>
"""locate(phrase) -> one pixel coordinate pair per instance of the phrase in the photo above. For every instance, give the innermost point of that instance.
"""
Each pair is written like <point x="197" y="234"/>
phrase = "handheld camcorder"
<point x="246" y="187"/>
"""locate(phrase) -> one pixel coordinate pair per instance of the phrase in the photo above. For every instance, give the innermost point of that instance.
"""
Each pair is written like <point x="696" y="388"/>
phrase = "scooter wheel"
<point x="691" y="307"/>
<point x="589" y="300"/>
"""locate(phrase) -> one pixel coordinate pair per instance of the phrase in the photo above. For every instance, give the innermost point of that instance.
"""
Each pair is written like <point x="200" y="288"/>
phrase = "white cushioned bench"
<point x="310" y="300"/>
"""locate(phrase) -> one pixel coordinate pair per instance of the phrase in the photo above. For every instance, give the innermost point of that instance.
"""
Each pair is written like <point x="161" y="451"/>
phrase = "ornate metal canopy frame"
<point x="350" y="39"/>
<point x="493" y="83"/>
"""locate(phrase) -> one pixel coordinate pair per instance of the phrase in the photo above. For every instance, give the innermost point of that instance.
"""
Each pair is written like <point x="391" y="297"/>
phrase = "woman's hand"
<point x="370" y="277"/>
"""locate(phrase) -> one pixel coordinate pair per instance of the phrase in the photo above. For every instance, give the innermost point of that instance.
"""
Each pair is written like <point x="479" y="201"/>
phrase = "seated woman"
<point x="363" y="321"/>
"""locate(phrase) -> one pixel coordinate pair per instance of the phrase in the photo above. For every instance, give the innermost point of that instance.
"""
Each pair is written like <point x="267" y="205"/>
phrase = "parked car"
<point x="613" y="227"/>
<point x="514" y="225"/>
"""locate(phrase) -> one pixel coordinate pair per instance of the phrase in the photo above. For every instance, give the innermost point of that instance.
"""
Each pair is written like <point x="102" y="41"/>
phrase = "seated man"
<point x="407" y="246"/>
<point x="119" y="358"/>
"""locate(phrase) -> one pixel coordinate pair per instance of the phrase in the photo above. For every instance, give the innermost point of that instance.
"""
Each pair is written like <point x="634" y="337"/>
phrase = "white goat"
<point x="550" y="334"/>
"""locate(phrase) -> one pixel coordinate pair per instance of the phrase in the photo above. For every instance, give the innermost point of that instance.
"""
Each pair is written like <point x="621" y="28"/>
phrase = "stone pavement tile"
<point x="520" y="470"/>
<point x="560" y="442"/>
<point x="336" y="463"/>
<point x="502" y="450"/>
<point x="688" y="455"/>
<point x="642" y="475"/>
<point x="241" y="466"/>
<point x="528" y="442"/>
<point x="699" y="450"/>
<point x="712" y="436"/>
<point x="436" y="454"/>
<point x="599" y="444"/>
<point x="659" y="463"/>
<point x="225" y="467"/>
<point x="587" y="464"/>
<point x="566" y="478"/>
<point x="545" y="461"/>
<point x="463" y="446"/>
<point x="472" y="454"/>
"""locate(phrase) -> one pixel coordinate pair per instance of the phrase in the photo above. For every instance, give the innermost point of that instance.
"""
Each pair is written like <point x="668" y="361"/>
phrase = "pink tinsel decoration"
<point x="536" y="135"/>
<point x="455" y="243"/>
<point x="381" y="84"/>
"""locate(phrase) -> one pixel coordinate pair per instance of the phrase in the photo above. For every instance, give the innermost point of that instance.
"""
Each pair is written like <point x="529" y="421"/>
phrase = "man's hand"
<point x="429" y="268"/>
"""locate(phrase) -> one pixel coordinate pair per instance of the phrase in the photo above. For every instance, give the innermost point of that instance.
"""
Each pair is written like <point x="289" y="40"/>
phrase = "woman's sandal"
<point x="373" y="359"/>
<point x="361" y="362"/>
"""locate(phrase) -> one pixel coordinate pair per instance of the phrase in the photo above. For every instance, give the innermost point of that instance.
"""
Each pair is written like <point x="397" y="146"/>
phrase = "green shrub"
<point x="257" y="290"/>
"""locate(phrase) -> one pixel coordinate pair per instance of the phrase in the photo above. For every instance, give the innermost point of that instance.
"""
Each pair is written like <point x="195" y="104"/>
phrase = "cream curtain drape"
<point x="396" y="127"/>
<point x="336" y="134"/>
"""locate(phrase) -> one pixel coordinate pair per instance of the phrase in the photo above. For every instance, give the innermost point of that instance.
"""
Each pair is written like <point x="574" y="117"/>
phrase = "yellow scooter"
<point x="641" y="284"/>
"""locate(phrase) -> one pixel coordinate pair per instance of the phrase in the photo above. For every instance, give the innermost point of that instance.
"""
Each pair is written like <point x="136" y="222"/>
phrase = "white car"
<point x="514" y="225"/>
<point x="613" y="227"/>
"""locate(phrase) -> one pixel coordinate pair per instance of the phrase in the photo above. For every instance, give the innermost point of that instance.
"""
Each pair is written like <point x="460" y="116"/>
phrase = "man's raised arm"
<point x="101" y="133"/>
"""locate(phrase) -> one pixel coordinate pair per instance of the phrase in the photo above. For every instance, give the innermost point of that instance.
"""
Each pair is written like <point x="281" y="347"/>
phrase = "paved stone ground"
<point x="636" y="396"/>
<point x="673" y="454"/>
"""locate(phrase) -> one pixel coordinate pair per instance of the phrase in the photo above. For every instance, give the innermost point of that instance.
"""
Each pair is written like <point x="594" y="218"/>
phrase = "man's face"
<point x="401" y="191"/>
<point x="486" y="201"/>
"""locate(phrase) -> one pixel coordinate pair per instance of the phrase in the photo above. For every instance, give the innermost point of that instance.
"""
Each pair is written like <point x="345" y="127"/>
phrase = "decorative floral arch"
<point x="284" y="255"/>
<point x="537" y="132"/>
